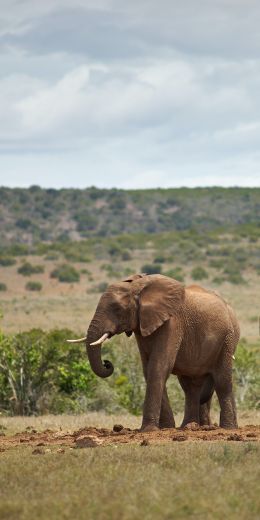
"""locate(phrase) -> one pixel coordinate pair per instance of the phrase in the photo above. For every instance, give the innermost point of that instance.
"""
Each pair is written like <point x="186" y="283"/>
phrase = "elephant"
<point x="187" y="331"/>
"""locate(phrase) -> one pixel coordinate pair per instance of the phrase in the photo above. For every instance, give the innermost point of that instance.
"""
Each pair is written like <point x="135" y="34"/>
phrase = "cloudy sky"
<point x="131" y="94"/>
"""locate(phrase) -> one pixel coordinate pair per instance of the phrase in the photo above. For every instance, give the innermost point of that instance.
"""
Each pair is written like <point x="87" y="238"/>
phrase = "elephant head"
<point x="140" y="303"/>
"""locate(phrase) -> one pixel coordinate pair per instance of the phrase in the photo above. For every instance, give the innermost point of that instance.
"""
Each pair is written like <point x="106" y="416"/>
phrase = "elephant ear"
<point x="159" y="299"/>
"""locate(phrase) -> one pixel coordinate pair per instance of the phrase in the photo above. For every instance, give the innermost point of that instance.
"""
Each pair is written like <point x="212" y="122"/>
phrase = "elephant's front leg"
<point x="166" y="419"/>
<point x="157" y="411"/>
<point x="153" y="397"/>
<point x="159" y="353"/>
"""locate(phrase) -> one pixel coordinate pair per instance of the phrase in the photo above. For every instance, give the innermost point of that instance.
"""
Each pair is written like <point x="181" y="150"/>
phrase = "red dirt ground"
<point x="94" y="437"/>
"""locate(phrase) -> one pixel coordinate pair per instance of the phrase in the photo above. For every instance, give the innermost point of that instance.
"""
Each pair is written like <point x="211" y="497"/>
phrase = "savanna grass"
<point x="195" y="480"/>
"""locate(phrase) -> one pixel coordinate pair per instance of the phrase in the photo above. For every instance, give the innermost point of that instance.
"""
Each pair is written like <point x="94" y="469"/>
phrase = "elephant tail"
<point x="207" y="390"/>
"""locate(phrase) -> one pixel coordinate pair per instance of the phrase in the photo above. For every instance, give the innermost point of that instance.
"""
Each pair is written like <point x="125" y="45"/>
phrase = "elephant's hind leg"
<point x="205" y="401"/>
<point x="166" y="416"/>
<point x="223" y="384"/>
<point x="192" y="399"/>
<point x="205" y="419"/>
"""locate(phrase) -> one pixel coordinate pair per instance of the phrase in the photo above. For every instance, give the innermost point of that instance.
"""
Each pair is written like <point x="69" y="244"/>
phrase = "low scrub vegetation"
<point x="216" y="254"/>
<point x="41" y="373"/>
<point x="151" y="268"/>
<point x="176" y="273"/>
<point x="27" y="269"/>
<point x="33" y="286"/>
<point x="7" y="260"/>
<point x="199" y="273"/>
<point x="35" y="214"/>
<point x="66" y="273"/>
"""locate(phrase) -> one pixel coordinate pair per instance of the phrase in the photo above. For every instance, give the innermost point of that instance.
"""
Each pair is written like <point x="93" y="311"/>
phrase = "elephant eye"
<point x="116" y="308"/>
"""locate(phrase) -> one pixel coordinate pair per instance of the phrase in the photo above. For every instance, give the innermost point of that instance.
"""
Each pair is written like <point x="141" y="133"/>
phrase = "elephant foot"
<point x="166" y="424"/>
<point x="228" y="421"/>
<point x="149" y="428"/>
<point x="189" y="420"/>
<point x="193" y="425"/>
<point x="228" y="426"/>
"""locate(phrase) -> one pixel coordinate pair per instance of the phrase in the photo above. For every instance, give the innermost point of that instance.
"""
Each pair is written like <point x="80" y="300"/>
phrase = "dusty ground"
<point x="89" y="437"/>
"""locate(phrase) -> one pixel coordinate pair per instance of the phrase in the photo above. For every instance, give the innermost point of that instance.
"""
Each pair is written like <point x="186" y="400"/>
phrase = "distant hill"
<point x="36" y="214"/>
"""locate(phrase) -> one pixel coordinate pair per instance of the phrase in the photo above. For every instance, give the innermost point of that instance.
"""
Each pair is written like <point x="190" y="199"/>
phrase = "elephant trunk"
<point x="100" y="368"/>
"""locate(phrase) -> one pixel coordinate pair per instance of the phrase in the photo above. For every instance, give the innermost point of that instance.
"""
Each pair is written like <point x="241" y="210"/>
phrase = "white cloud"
<point x="169" y="96"/>
<point x="52" y="106"/>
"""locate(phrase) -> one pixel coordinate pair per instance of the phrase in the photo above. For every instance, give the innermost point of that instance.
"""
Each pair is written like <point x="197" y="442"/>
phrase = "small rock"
<point x="61" y="450"/>
<point x="87" y="442"/>
<point x="235" y="437"/>
<point x="179" y="438"/>
<point x="145" y="442"/>
<point x="2" y="450"/>
<point x="2" y="434"/>
<point x="38" y="451"/>
<point x="40" y="444"/>
<point x="24" y="440"/>
<point x="48" y="450"/>
<point x="251" y="434"/>
<point x="118" y="427"/>
<point x="192" y="426"/>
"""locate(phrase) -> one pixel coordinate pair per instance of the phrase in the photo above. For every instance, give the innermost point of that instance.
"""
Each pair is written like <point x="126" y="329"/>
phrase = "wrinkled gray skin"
<point x="189" y="332"/>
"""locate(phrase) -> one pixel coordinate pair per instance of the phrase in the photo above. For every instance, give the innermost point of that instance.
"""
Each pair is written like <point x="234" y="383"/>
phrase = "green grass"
<point x="132" y="482"/>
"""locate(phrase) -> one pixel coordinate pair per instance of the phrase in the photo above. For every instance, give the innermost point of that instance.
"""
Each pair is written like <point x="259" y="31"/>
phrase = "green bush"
<point x="126" y="255"/>
<point x="231" y="268"/>
<point x="235" y="278"/>
<point x="115" y="250"/>
<point x="112" y="270"/>
<point x="217" y="263"/>
<point x="33" y="286"/>
<point x="218" y="280"/>
<point x="199" y="273"/>
<point x="175" y="273"/>
<point x="246" y="375"/>
<point x="27" y="269"/>
<point x="85" y="271"/>
<point x="159" y="259"/>
<point x="37" y="367"/>
<point x="3" y="287"/>
<point x="151" y="268"/>
<point x="23" y="223"/>
<point x="66" y="273"/>
<point x="86" y="221"/>
<point x="7" y="260"/>
<point x="51" y="256"/>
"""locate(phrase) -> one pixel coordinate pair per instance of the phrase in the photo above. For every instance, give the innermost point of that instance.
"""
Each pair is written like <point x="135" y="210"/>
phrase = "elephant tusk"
<point x="100" y="340"/>
<point x="80" y="340"/>
<point x="233" y="357"/>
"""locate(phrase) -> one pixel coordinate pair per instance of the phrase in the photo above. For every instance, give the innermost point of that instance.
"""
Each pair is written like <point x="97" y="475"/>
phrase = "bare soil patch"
<point x="96" y="437"/>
